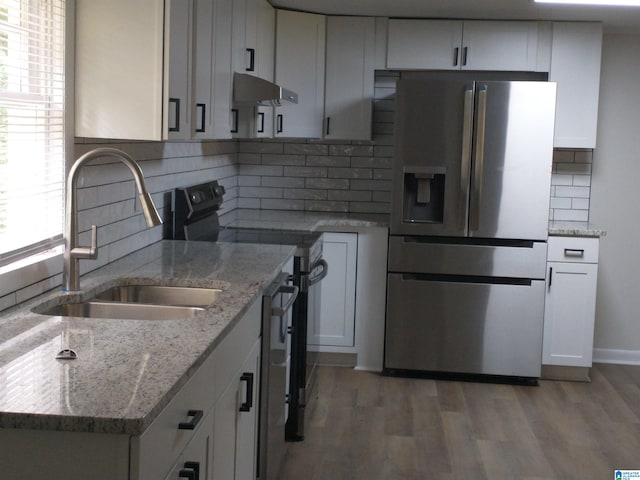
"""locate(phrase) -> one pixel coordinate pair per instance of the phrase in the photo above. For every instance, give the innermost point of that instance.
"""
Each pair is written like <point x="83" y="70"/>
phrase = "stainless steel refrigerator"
<point x="469" y="225"/>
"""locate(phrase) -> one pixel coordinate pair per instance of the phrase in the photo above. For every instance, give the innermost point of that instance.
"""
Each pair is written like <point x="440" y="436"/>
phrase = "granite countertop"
<point x="575" y="229"/>
<point x="301" y="220"/>
<point x="127" y="371"/>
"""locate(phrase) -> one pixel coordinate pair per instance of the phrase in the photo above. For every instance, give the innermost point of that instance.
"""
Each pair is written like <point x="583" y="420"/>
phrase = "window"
<point x="32" y="136"/>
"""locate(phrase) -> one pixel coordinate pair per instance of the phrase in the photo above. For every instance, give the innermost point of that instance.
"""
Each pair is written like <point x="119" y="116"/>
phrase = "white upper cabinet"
<point x="463" y="45"/>
<point x="153" y="69"/>
<point x="300" y="61"/>
<point x="432" y="44"/>
<point x="349" y="77"/>
<point x="181" y="45"/>
<point x="576" y="53"/>
<point x="253" y="54"/>
<point x="120" y="69"/>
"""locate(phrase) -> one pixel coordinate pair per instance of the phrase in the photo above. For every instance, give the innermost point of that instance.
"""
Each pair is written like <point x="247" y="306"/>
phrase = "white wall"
<point x="615" y="205"/>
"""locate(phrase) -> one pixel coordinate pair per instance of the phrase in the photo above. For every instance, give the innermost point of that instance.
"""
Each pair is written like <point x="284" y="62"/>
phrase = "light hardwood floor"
<point x="367" y="426"/>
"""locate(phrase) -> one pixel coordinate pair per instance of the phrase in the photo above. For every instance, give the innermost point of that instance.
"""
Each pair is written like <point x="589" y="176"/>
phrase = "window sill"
<point x="32" y="276"/>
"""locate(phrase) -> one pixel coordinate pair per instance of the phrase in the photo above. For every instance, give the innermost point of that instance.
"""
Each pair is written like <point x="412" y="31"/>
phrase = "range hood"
<point x="250" y="90"/>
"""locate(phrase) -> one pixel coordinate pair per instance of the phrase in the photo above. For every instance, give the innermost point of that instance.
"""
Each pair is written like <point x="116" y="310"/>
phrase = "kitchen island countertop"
<point x="126" y="371"/>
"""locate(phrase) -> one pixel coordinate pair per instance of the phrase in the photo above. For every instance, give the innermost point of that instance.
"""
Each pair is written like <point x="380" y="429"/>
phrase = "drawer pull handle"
<point x="574" y="252"/>
<point x="190" y="471"/>
<point x="196" y="416"/>
<point x="188" y="474"/>
<point x="248" y="402"/>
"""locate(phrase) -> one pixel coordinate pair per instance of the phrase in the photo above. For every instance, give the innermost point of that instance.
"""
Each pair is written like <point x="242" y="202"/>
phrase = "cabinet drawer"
<point x="158" y="448"/>
<point x="573" y="249"/>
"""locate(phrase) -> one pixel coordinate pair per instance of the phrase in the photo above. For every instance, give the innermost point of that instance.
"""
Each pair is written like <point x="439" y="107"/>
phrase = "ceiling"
<point x="618" y="19"/>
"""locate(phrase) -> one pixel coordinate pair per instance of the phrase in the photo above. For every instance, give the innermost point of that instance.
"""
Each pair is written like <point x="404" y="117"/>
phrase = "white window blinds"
<point x="31" y="126"/>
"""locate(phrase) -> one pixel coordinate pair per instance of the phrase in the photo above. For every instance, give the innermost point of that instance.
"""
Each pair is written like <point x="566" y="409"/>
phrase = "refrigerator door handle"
<point x="478" y="159"/>
<point x="465" y="161"/>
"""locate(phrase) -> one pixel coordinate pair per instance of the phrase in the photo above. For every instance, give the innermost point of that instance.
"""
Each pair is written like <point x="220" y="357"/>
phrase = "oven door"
<point x="276" y="323"/>
<point x="319" y="271"/>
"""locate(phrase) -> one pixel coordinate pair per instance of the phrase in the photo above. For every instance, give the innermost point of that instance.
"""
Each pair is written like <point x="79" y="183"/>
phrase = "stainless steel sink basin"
<point x="126" y="311"/>
<point x="160" y="295"/>
<point x="139" y="302"/>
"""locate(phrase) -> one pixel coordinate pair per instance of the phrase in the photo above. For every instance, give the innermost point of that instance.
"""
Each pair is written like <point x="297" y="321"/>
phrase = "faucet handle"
<point x="91" y="252"/>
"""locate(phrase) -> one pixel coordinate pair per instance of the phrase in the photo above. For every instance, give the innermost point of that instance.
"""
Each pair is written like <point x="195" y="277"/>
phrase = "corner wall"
<point x="615" y="206"/>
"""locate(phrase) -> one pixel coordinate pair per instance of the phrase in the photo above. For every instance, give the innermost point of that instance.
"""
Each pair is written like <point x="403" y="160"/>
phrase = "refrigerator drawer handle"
<point x="479" y="158"/>
<point x="465" y="161"/>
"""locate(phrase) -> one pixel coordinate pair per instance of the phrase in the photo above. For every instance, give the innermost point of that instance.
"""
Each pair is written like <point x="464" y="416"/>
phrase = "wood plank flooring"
<point x="368" y="426"/>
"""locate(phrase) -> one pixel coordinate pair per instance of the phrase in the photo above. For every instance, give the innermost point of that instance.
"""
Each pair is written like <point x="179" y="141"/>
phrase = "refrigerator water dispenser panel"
<point x="423" y="196"/>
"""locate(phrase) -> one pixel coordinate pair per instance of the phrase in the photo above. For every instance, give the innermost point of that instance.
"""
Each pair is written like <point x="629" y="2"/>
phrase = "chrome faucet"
<point x="73" y="252"/>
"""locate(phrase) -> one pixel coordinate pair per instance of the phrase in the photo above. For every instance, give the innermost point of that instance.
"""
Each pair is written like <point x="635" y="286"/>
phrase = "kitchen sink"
<point x="139" y="302"/>
<point x="126" y="311"/>
<point x="160" y="295"/>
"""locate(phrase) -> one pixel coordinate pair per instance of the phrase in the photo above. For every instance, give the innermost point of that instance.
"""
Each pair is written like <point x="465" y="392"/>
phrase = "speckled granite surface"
<point x="127" y="371"/>
<point x="300" y="220"/>
<point x="575" y="229"/>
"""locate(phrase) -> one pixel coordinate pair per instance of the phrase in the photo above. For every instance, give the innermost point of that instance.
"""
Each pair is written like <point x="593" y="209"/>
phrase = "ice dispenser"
<point x="423" y="196"/>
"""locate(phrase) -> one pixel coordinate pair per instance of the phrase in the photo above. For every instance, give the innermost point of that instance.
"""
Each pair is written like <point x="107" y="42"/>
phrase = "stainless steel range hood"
<point x="250" y="90"/>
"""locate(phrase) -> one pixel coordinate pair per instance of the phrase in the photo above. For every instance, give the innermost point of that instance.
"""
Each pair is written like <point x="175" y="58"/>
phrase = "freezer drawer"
<point x="461" y="327"/>
<point x="418" y="255"/>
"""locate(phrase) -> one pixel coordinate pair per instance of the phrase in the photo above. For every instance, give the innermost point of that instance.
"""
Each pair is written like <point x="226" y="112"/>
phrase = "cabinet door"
<point x="195" y="460"/>
<point x="235" y="424"/>
<point x="432" y="44"/>
<point x="508" y="46"/>
<point x="569" y="314"/>
<point x="222" y="73"/>
<point x="576" y="52"/>
<point x="300" y="59"/>
<point x="349" y="77"/>
<point x="255" y="57"/>
<point x="181" y="62"/>
<point x="203" y="69"/>
<point x="247" y="434"/>
<point x="265" y="63"/>
<point x="335" y="324"/>
<point x="113" y="102"/>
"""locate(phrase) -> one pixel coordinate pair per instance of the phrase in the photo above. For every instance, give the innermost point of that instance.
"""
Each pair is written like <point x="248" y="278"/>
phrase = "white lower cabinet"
<point x="235" y="425"/>
<point x="570" y="302"/>
<point x="335" y="325"/>
<point x="352" y="297"/>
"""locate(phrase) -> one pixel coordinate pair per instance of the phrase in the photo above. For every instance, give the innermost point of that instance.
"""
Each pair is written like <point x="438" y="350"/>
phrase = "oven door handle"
<point x="318" y="278"/>
<point x="281" y="311"/>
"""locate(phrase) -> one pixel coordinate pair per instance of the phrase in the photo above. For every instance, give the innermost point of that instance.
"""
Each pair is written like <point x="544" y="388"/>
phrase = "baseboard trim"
<point x="623" y="357"/>
<point x="335" y="359"/>
<point x="560" y="372"/>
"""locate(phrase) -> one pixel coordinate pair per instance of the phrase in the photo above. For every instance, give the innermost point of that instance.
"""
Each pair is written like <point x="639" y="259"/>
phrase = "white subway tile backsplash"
<point x="305" y="194"/>
<point x="573" y="192"/>
<point x="328" y="183"/>
<point x="571" y="215"/>
<point x="557" y="202"/>
<point x="285" y="182"/>
<point x="571" y="185"/>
